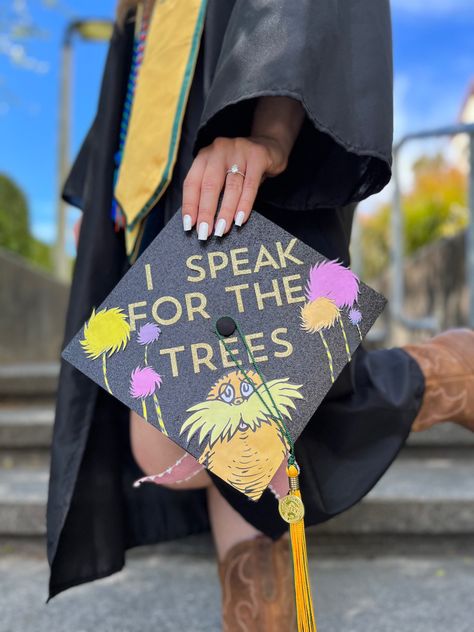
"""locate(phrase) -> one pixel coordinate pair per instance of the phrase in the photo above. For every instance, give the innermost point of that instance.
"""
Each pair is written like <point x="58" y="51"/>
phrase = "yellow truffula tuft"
<point x="292" y="510"/>
<point x="319" y="314"/>
<point x="106" y="332"/>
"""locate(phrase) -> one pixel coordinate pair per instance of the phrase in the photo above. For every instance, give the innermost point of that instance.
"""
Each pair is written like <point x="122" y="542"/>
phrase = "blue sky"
<point x="434" y="64"/>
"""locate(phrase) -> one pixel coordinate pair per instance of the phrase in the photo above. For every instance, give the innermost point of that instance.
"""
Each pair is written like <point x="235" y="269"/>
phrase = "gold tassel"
<point x="292" y="511"/>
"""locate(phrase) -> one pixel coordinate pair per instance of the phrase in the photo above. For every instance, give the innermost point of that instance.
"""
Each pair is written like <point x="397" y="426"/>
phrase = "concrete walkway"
<point x="166" y="592"/>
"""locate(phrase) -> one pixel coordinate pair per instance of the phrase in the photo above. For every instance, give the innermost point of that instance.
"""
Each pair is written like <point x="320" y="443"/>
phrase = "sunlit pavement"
<point x="167" y="592"/>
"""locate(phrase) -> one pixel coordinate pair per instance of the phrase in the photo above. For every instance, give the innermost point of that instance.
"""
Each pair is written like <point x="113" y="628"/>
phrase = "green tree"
<point x="14" y="229"/>
<point x="435" y="207"/>
<point x="41" y="254"/>
<point x="15" y="232"/>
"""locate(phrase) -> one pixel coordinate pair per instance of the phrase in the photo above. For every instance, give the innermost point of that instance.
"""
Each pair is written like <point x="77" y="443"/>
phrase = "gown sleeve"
<point x="74" y="189"/>
<point x="335" y="57"/>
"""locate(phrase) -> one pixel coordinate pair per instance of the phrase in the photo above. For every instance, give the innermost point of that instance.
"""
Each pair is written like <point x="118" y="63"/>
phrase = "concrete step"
<point x="28" y="380"/>
<point x="446" y="434"/>
<point x="24" y="459"/>
<point x="427" y="496"/>
<point x="23" y="495"/>
<point x="26" y="426"/>
<point x="416" y="496"/>
<point x="25" y="435"/>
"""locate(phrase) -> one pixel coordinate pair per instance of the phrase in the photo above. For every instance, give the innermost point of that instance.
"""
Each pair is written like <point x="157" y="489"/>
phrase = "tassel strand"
<point x="292" y="511"/>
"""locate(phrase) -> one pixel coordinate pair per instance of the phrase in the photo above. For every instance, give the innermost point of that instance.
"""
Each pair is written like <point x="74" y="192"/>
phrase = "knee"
<point x="154" y="453"/>
<point x="145" y="445"/>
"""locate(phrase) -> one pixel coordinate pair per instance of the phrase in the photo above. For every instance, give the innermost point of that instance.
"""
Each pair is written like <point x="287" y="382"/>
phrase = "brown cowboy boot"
<point x="447" y="363"/>
<point x="257" y="587"/>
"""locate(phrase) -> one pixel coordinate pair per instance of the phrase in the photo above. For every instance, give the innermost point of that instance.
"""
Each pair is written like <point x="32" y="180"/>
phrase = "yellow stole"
<point x="158" y="108"/>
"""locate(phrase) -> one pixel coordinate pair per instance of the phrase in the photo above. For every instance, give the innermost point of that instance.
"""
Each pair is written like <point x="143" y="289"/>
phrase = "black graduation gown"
<point x="335" y="57"/>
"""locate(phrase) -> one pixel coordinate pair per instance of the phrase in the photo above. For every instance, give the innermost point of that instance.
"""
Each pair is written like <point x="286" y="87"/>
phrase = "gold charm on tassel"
<point x="291" y="509"/>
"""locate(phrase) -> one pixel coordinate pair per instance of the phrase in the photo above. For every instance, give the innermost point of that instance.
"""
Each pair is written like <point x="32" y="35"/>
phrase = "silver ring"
<point x="235" y="169"/>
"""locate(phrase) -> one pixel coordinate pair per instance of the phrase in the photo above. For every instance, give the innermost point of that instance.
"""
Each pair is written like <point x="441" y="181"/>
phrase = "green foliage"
<point x="41" y="254"/>
<point x="436" y="207"/>
<point x="14" y="229"/>
<point x="375" y="238"/>
<point x="15" y="232"/>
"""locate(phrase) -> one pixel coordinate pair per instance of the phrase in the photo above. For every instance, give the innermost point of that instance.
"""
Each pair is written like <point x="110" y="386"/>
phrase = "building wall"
<point x="32" y="313"/>
<point x="435" y="282"/>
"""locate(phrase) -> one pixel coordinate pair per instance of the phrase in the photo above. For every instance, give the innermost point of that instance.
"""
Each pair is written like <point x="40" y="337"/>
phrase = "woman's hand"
<point x="276" y="123"/>
<point x="255" y="157"/>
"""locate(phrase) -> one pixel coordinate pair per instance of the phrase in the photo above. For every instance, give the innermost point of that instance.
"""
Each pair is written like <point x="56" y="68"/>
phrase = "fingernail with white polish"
<point x="239" y="218"/>
<point x="220" y="227"/>
<point x="203" y="231"/>
<point x="187" y="222"/>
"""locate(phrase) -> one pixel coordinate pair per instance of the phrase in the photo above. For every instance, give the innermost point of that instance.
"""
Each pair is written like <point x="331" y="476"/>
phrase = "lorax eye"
<point x="227" y="394"/>
<point x="246" y="389"/>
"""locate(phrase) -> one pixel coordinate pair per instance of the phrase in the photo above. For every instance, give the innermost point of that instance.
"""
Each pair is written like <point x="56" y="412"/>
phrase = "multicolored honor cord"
<point x="142" y="21"/>
<point x="161" y="90"/>
<point x="291" y="506"/>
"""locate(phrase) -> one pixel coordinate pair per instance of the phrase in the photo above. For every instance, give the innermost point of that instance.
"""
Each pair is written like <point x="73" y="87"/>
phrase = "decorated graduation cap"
<point x="228" y="347"/>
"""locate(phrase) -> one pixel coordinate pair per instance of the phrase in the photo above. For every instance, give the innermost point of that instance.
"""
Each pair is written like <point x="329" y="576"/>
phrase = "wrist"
<point x="276" y="123"/>
<point x="278" y="152"/>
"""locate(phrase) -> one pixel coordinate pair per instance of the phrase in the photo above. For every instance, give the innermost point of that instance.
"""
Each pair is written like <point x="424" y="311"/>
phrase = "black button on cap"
<point x="226" y="326"/>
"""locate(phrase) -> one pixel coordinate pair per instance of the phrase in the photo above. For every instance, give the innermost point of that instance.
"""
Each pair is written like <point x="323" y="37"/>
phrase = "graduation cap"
<point x="228" y="347"/>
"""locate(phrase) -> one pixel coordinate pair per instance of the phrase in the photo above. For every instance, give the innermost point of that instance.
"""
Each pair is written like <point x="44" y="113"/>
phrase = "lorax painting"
<point x="243" y="442"/>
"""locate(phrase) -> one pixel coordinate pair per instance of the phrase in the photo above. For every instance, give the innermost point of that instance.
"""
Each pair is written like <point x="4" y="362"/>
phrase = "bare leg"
<point x="228" y="526"/>
<point x="154" y="453"/>
<point x="247" y="564"/>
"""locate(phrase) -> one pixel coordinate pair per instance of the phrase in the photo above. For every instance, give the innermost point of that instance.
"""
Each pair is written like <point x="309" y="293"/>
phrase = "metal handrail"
<point x="430" y="322"/>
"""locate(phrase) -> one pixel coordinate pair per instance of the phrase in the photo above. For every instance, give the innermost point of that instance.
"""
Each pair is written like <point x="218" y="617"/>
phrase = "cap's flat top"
<point x="153" y="342"/>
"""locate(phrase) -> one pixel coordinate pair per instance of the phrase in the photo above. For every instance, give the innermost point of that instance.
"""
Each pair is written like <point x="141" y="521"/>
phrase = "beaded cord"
<point x="137" y="58"/>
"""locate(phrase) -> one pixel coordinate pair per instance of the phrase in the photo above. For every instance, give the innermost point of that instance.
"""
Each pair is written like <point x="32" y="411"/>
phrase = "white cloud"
<point x="432" y="7"/>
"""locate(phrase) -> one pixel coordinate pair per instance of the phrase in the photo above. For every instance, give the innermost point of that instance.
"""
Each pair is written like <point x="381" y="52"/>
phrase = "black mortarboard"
<point x="229" y="345"/>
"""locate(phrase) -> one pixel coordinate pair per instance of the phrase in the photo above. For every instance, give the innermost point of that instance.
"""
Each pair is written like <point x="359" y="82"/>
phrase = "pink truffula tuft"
<point x="144" y="382"/>
<point x="330" y="288"/>
<point x="334" y="281"/>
